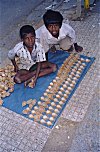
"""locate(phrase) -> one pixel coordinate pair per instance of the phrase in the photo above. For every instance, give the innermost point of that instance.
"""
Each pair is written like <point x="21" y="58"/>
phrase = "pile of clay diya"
<point x="46" y="110"/>
<point x="6" y="82"/>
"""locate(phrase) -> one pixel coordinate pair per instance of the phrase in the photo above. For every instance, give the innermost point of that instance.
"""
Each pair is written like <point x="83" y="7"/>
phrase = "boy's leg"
<point x="23" y="75"/>
<point x="47" y="68"/>
<point x="47" y="65"/>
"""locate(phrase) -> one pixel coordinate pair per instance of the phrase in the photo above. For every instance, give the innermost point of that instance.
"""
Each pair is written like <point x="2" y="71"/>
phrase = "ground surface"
<point x="77" y="130"/>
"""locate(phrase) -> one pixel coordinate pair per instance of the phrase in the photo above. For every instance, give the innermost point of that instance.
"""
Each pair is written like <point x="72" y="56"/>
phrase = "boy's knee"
<point x="17" y="80"/>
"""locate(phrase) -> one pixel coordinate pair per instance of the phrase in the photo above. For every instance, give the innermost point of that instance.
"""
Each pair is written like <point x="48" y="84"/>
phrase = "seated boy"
<point x="32" y="60"/>
<point x="54" y="33"/>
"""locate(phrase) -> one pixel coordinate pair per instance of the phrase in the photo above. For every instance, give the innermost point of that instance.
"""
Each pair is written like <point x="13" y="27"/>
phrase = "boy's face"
<point x="29" y="40"/>
<point x="54" y="29"/>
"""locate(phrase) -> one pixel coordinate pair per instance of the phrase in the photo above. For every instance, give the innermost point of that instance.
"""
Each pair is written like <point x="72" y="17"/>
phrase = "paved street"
<point x="77" y="129"/>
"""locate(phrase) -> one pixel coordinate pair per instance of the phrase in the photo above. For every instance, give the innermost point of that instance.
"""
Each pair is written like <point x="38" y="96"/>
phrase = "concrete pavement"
<point x="14" y="12"/>
<point x="77" y="130"/>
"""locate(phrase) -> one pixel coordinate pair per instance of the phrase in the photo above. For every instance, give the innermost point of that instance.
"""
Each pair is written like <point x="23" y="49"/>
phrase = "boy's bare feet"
<point x="26" y="83"/>
<point x="70" y="49"/>
<point x="78" y="48"/>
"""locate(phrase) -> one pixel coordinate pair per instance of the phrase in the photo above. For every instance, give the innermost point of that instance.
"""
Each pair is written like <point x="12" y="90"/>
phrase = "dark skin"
<point x="43" y="68"/>
<point x="54" y="30"/>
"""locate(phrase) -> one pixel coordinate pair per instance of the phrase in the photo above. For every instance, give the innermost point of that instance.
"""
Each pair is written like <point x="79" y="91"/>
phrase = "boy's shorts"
<point x="33" y="67"/>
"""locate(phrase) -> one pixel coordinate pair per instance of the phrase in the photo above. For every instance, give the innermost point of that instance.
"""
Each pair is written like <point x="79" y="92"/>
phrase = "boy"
<point x="32" y="61"/>
<point x="54" y="33"/>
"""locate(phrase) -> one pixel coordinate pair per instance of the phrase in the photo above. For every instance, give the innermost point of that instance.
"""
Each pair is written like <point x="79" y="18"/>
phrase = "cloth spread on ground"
<point x="48" y="115"/>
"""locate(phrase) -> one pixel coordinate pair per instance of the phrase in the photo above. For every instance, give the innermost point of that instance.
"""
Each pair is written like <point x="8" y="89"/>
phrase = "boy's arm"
<point x="15" y="65"/>
<point x="37" y="72"/>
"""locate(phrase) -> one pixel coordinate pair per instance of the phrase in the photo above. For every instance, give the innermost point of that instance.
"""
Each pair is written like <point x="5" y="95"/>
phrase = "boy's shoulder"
<point x="18" y="46"/>
<point x="41" y="30"/>
<point x="38" y="45"/>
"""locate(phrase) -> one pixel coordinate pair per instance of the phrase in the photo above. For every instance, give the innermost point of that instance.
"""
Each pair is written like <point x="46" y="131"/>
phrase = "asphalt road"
<point x="13" y="12"/>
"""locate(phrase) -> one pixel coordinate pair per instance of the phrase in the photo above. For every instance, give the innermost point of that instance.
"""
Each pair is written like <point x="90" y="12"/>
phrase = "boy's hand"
<point x="53" y="49"/>
<point x="15" y="65"/>
<point x="34" y="82"/>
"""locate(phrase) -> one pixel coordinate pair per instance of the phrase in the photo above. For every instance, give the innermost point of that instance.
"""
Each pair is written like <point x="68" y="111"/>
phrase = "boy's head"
<point x="27" y="34"/>
<point x="26" y="29"/>
<point x="53" y="21"/>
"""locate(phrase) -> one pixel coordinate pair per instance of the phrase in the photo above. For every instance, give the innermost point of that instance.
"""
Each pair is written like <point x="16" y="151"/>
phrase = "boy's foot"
<point x="17" y="80"/>
<point x="70" y="49"/>
<point x="26" y="83"/>
<point x="78" y="48"/>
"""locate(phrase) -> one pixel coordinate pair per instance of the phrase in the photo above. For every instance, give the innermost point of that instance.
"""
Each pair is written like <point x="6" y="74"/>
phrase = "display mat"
<point x="45" y="103"/>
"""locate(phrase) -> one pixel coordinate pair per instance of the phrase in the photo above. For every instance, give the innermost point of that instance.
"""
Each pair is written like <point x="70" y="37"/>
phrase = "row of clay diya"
<point x="6" y="82"/>
<point x="52" y="108"/>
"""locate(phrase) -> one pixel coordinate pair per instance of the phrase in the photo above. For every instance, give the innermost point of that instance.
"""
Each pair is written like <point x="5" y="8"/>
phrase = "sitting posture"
<point x="32" y="60"/>
<point x="54" y="33"/>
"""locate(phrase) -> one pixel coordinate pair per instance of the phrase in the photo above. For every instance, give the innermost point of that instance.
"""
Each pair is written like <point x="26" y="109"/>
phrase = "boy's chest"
<point x="52" y="40"/>
<point x="34" y="56"/>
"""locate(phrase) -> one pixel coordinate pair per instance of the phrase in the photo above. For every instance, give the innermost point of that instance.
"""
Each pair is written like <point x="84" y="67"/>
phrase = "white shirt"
<point x="46" y="39"/>
<point x="26" y="60"/>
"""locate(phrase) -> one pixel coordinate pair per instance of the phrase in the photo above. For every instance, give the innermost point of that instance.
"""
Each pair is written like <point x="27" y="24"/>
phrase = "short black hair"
<point x="52" y="17"/>
<point x="26" y="29"/>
